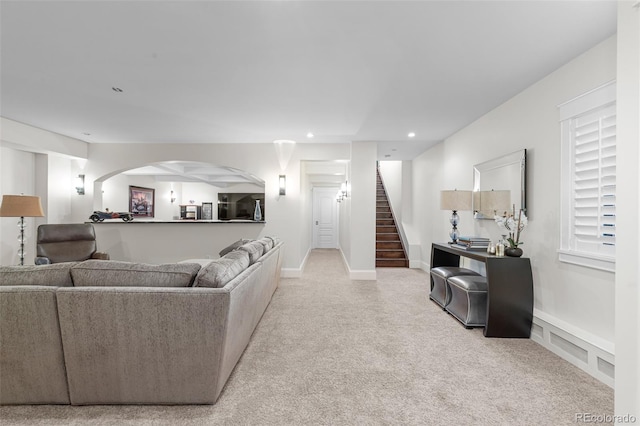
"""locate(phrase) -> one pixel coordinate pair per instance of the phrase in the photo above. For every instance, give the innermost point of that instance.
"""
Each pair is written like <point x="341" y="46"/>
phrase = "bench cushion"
<point x="469" y="282"/>
<point x="451" y="271"/>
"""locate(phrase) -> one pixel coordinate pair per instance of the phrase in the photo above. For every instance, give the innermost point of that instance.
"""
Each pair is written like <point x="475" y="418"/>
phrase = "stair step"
<point x="391" y="263"/>
<point x="389" y="251"/>
<point x="388" y="236"/>
<point x="385" y="229"/>
<point x="389" y="254"/>
<point x="388" y="245"/>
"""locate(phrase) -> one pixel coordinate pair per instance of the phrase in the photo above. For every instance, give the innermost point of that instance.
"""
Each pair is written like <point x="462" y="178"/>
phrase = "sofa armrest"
<point x="100" y="256"/>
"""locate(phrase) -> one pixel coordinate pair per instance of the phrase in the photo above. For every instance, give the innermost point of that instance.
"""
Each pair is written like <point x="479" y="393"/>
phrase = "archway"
<point x="174" y="183"/>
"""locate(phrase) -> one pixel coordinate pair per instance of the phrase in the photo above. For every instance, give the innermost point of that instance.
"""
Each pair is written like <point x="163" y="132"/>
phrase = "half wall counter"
<point x="149" y="241"/>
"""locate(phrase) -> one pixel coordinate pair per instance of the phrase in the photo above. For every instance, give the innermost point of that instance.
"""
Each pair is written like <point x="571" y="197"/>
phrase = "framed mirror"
<point x="499" y="185"/>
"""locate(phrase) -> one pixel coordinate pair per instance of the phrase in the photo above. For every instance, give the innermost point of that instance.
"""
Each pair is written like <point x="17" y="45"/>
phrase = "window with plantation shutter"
<point x="588" y="207"/>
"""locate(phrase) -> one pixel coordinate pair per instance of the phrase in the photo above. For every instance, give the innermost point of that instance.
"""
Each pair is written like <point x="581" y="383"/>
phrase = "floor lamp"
<point x="21" y="206"/>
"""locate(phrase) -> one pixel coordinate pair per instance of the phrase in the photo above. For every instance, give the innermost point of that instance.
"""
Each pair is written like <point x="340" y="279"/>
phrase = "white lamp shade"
<point x="455" y="200"/>
<point x="493" y="202"/>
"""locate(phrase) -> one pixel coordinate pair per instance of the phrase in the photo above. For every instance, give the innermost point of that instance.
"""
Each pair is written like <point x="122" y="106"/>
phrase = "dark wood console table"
<point x="509" y="289"/>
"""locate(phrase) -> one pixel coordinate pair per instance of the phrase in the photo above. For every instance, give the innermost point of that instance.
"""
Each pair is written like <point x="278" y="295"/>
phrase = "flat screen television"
<point x="239" y="205"/>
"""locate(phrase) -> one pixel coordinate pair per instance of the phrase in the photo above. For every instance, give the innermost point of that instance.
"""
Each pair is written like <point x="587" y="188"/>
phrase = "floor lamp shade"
<point x="455" y="200"/>
<point x="21" y="206"/>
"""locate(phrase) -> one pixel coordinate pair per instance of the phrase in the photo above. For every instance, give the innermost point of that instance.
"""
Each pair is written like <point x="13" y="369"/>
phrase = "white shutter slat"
<point x="594" y="177"/>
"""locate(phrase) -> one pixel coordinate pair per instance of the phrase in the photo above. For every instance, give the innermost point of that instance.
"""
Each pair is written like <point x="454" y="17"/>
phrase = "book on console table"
<point x="474" y="240"/>
<point x="468" y="247"/>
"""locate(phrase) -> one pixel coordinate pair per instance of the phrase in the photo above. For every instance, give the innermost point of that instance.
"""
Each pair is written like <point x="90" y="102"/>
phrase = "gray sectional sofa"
<point x="106" y="332"/>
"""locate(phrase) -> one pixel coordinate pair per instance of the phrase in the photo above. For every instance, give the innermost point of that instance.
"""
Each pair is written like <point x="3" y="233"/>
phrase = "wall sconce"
<point x="79" y="184"/>
<point x="345" y="189"/>
<point x="343" y="192"/>
<point x="172" y="197"/>
<point x="282" y="183"/>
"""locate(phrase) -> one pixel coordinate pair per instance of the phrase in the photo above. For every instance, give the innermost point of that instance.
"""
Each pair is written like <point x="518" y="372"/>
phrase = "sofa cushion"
<point x="99" y="273"/>
<point x="219" y="272"/>
<point x="55" y="275"/>
<point x="274" y="240"/>
<point x="267" y="243"/>
<point x="254" y="249"/>
<point x="233" y="246"/>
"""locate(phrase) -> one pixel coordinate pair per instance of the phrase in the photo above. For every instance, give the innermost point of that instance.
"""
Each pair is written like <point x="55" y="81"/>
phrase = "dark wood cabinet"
<point x="509" y="289"/>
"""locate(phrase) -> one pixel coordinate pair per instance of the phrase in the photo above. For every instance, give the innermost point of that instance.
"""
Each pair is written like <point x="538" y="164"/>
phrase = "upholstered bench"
<point x="440" y="288"/>
<point x="468" y="299"/>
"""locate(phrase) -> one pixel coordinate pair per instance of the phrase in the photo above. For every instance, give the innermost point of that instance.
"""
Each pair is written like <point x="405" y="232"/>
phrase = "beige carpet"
<point x="332" y="351"/>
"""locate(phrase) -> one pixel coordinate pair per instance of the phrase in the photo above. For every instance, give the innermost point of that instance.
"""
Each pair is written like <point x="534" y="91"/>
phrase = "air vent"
<point x="117" y="89"/>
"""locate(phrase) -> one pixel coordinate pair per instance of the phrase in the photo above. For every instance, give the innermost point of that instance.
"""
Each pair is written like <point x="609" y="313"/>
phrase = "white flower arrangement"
<point x="512" y="226"/>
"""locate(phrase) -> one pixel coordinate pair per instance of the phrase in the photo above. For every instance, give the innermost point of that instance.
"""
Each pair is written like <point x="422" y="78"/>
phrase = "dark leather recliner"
<point x="73" y="242"/>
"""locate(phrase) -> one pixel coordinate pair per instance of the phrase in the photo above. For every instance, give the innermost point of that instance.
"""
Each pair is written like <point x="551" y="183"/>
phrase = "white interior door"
<point x="325" y="218"/>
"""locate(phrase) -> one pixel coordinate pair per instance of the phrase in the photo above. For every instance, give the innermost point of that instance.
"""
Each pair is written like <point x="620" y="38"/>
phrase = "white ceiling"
<point x="255" y="71"/>
<point x="195" y="172"/>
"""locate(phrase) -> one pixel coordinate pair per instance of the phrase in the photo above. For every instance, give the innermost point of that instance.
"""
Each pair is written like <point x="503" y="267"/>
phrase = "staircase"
<point x="389" y="250"/>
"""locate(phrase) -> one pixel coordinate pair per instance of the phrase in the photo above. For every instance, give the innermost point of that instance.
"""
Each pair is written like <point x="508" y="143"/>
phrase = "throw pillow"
<point x="219" y="272"/>
<point x="254" y="249"/>
<point x="233" y="246"/>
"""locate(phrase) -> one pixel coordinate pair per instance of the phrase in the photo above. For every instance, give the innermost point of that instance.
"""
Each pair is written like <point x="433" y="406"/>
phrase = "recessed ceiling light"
<point x="117" y="89"/>
<point x="309" y="135"/>
<point x="411" y="135"/>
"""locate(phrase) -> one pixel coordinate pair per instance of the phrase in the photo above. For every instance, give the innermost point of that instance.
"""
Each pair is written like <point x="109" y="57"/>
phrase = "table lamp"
<point x="491" y="203"/>
<point x="455" y="201"/>
<point x="21" y="206"/>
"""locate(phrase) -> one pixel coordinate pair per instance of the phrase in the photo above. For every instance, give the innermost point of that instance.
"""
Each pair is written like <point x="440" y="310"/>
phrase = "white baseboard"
<point x="363" y="274"/>
<point x="582" y="349"/>
<point x="366" y="275"/>
<point x="290" y="273"/>
<point x="415" y="264"/>
<point x="295" y="272"/>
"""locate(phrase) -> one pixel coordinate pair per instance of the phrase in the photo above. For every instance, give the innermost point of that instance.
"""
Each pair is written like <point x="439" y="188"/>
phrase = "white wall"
<point x="627" y="321"/>
<point x="579" y="297"/>
<point x="59" y="188"/>
<point x="362" y="202"/>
